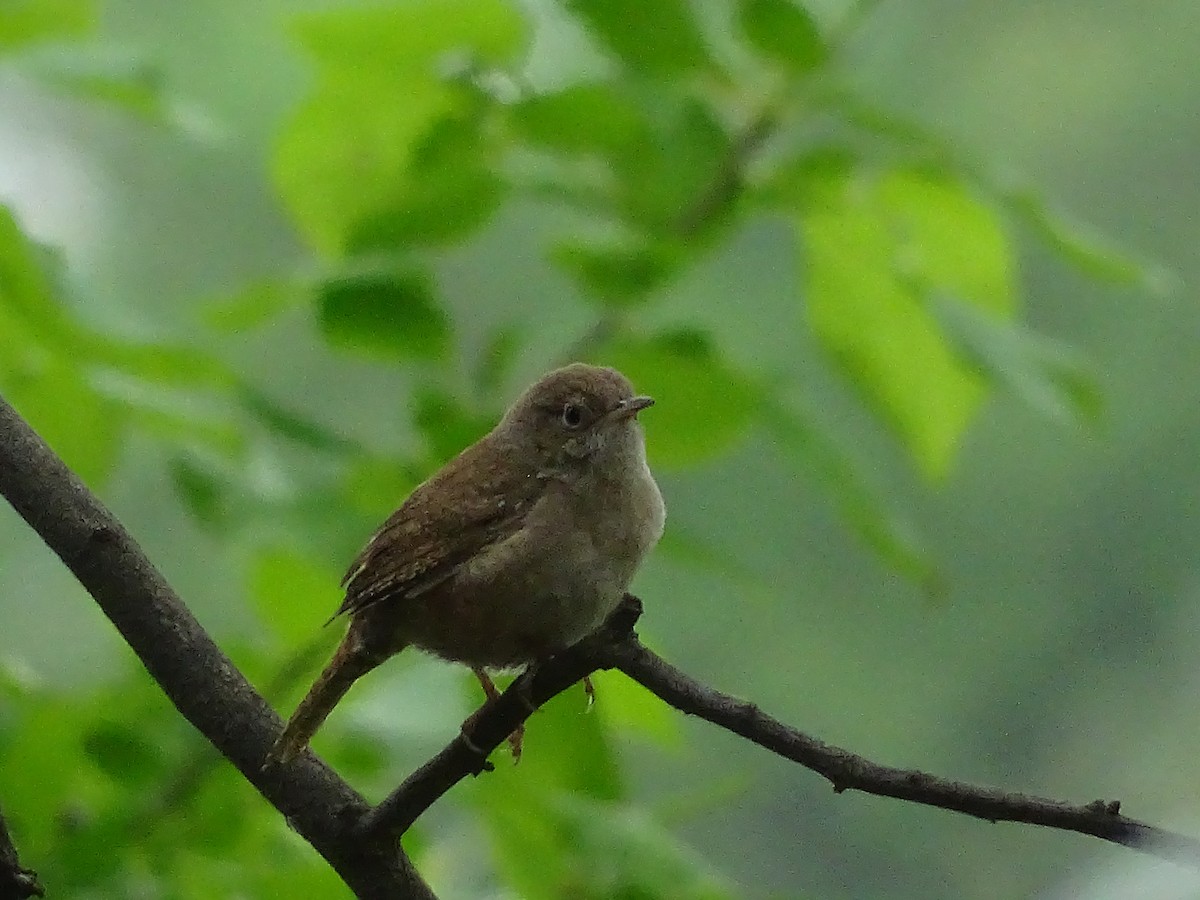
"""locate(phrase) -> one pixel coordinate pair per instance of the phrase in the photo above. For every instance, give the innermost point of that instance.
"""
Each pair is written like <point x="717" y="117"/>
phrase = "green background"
<point x="930" y="474"/>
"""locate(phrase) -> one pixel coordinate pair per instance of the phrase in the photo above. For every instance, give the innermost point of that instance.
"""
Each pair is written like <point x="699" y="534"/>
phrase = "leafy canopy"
<point x="419" y="127"/>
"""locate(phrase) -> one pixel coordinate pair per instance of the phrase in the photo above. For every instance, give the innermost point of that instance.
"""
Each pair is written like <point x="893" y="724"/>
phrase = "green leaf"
<point x="668" y="166"/>
<point x="277" y="873"/>
<point x="164" y="416"/>
<point x="1049" y="376"/>
<point x="678" y="181"/>
<point x="292" y="595"/>
<point x="254" y="305"/>
<point x="654" y="37"/>
<point x="346" y="152"/>
<point x="703" y="406"/>
<point x="30" y="301"/>
<point x="206" y="496"/>
<point x="291" y="425"/>
<point x="159" y="365"/>
<point x="387" y="315"/>
<point x="784" y="31"/>
<point x="948" y="239"/>
<point x="27" y="21"/>
<point x="119" y="750"/>
<point x="354" y="165"/>
<point x="441" y="207"/>
<point x="354" y="755"/>
<point x="869" y="261"/>
<point x="1086" y="251"/>
<point x="450" y="190"/>
<point x="526" y="843"/>
<point x="218" y="821"/>
<point x="585" y="118"/>
<point x="46" y="382"/>
<point x="104" y="75"/>
<point x="619" y="275"/>
<point x="1073" y="241"/>
<point x="40" y="773"/>
<point x="27" y="289"/>
<point x="413" y="37"/>
<point x="84" y="427"/>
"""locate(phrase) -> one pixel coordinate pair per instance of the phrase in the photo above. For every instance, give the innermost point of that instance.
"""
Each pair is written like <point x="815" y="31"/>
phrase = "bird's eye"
<point x="572" y="415"/>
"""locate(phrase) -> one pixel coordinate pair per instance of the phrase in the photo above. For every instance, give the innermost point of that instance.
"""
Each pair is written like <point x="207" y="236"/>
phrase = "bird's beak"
<point x="631" y="407"/>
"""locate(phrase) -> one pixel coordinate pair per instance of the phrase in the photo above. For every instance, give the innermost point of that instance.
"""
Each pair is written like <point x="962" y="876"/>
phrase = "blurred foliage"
<point x="419" y="126"/>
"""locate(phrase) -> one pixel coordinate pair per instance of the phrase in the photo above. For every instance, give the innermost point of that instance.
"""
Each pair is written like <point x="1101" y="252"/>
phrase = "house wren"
<point x="515" y="549"/>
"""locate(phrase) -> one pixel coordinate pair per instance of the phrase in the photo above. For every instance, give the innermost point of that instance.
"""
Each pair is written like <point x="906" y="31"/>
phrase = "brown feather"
<point x="427" y="538"/>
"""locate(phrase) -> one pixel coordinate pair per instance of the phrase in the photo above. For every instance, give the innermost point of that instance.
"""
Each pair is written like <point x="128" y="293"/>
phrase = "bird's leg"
<point x="523" y="684"/>
<point x="489" y="686"/>
<point x="516" y="739"/>
<point x="589" y="691"/>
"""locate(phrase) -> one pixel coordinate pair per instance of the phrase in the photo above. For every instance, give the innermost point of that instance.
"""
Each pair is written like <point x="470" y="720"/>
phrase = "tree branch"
<point x="726" y="184"/>
<point x="491" y="726"/>
<point x="16" y="882"/>
<point x="848" y="771"/>
<point x="360" y="842"/>
<point x="197" y="677"/>
<point x="616" y="646"/>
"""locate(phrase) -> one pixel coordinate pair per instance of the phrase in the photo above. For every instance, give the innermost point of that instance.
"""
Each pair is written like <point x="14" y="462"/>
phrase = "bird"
<point x="515" y="549"/>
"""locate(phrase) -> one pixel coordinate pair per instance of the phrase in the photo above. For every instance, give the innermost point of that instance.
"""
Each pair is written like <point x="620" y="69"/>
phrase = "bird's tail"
<point x="350" y="662"/>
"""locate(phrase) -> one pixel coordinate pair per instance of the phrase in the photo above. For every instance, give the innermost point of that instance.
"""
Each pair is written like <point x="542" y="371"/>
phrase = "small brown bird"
<point x="515" y="549"/>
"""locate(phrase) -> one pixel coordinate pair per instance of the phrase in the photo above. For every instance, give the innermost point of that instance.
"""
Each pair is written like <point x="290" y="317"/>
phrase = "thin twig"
<point x="849" y="771"/>
<point x="729" y="176"/>
<point x="616" y="646"/>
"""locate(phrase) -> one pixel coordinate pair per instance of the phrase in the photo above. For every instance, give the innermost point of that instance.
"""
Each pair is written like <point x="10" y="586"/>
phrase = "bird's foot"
<point x="485" y="764"/>
<point x="485" y="681"/>
<point x="516" y="740"/>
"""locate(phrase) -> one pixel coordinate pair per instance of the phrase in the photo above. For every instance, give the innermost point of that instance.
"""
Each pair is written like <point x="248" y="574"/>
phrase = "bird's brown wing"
<point x="478" y="498"/>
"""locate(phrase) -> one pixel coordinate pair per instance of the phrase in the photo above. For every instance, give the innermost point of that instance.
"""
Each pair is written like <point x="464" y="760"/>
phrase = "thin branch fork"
<point x="490" y="727"/>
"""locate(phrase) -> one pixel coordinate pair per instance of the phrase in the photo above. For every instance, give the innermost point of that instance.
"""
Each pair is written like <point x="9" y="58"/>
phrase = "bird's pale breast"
<point x="558" y="577"/>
